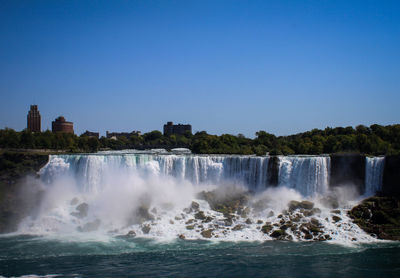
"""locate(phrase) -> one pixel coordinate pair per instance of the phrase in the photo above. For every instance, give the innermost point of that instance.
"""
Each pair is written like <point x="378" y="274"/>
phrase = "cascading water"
<point x="373" y="174"/>
<point x="151" y="194"/>
<point x="308" y="175"/>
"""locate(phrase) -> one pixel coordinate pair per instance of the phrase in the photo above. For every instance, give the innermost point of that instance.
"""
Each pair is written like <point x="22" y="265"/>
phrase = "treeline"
<point x="374" y="140"/>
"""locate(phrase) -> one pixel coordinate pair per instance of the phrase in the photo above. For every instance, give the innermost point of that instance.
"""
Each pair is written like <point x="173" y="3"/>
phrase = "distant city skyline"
<point x="221" y="66"/>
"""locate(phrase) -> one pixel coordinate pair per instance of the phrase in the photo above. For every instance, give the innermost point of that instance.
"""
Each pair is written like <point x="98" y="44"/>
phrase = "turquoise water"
<point x="120" y="257"/>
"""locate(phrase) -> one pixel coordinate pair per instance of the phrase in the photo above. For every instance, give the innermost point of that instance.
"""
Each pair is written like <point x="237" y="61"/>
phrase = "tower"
<point x="33" y="119"/>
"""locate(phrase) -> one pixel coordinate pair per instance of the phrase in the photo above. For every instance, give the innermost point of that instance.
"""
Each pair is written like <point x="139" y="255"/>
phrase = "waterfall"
<point x="373" y="174"/>
<point x="91" y="169"/>
<point x="306" y="174"/>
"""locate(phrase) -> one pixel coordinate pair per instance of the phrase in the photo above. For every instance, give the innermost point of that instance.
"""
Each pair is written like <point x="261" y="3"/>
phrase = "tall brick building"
<point x="180" y="129"/>
<point x="61" y="125"/>
<point x="33" y="119"/>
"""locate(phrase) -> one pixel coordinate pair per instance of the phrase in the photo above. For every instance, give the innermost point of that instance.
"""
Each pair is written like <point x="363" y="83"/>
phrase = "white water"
<point x="373" y="174"/>
<point x="308" y="175"/>
<point x="116" y="185"/>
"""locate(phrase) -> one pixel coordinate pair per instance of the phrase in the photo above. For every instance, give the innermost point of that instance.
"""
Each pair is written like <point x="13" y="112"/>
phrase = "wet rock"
<point x="195" y="206"/>
<point x="190" y="221"/>
<point x="249" y="222"/>
<point x="190" y="227"/>
<point x="146" y="229"/>
<point x="280" y="216"/>
<point x="306" y="204"/>
<point x="82" y="211"/>
<point x="171" y="222"/>
<point x="284" y="227"/>
<point x="187" y="210"/>
<point x="200" y="215"/>
<point x="207" y="233"/>
<point x="259" y="221"/>
<point x="378" y="215"/>
<point x="131" y="234"/>
<point x="182" y="236"/>
<point x="336" y="218"/>
<point x="228" y="222"/>
<point x="277" y="233"/>
<point x="336" y="211"/>
<point x="225" y="201"/>
<point x="308" y="236"/>
<point x="266" y="228"/>
<point x="270" y="214"/>
<point x="315" y="222"/>
<point x="178" y="218"/>
<point x="90" y="226"/>
<point x="154" y="210"/>
<point x="208" y="219"/>
<point x="237" y="228"/>
<point x="293" y="205"/>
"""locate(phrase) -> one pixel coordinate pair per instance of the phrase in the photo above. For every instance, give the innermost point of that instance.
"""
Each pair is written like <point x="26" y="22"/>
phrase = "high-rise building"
<point x="33" y="119"/>
<point x="180" y="129"/>
<point x="61" y="125"/>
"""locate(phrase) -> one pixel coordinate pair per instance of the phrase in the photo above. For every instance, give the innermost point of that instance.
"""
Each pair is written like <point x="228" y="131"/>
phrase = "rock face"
<point x="273" y="170"/>
<point x="379" y="216"/>
<point x="225" y="202"/>
<point x="391" y="176"/>
<point x="348" y="169"/>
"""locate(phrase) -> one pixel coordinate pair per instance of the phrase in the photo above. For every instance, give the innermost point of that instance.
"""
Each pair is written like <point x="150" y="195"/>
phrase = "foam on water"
<point x="116" y="186"/>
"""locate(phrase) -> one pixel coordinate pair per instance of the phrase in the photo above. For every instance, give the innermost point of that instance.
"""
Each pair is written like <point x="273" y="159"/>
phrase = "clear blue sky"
<point x="222" y="66"/>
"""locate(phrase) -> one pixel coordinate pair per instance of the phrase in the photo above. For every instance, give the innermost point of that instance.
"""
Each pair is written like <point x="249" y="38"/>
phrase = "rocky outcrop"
<point x="348" y="169"/>
<point x="273" y="171"/>
<point x="379" y="216"/>
<point x="15" y="170"/>
<point x="391" y="176"/>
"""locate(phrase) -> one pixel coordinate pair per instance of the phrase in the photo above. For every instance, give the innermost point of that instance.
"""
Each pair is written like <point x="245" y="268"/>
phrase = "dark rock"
<point x="190" y="221"/>
<point x="348" y="169"/>
<point x="146" y="229"/>
<point x="266" y="228"/>
<point x="245" y="212"/>
<point x="237" y="228"/>
<point x="207" y="233"/>
<point x="378" y="215"/>
<point x="259" y="221"/>
<point x="171" y="222"/>
<point x="277" y="233"/>
<point x="200" y="215"/>
<point x="308" y="236"/>
<point x="190" y="227"/>
<point x="181" y="236"/>
<point x="131" y="234"/>
<point x="270" y="214"/>
<point x="82" y="211"/>
<point x="195" y="206"/>
<point x="306" y="204"/>
<point x="208" y="219"/>
<point x="154" y="210"/>
<point x="273" y="170"/>
<point x="336" y="218"/>
<point x="391" y="176"/>
<point x="248" y="221"/>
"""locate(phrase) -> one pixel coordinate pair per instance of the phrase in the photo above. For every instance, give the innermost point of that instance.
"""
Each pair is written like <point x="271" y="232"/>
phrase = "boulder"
<point x="207" y="233"/>
<point x="266" y="228"/>
<point x="248" y="221"/>
<point x="277" y="233"/>
<point x="200" y="215"/>
<point x="131" y="234"/>
<point x="82" y="211"/>
<point x="336" y="218"/>
<point x="195" y="206"/>
<point x="146" y="229"/>
<point x="181" y="236"/>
